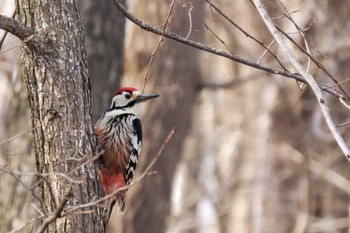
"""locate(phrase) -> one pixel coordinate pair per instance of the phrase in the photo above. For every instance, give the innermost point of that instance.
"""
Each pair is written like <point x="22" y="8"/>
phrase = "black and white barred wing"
<point x="136" y="142"/>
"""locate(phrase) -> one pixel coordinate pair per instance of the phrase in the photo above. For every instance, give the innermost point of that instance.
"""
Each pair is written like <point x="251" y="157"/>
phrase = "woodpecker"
<point x="119" y="137"/>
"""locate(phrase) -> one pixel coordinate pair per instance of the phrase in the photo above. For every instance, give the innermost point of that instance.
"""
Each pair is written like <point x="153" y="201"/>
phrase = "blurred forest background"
<point x="251" y="152"/>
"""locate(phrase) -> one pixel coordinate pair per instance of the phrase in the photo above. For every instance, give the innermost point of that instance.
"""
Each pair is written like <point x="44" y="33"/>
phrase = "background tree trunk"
<point x="104" y="35"/>
<point x="59" y="98"/>
<point x="175" y="75"/>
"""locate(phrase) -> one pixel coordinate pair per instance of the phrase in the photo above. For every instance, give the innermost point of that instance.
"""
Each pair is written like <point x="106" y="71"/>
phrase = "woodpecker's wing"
<point x="136" y="141"/>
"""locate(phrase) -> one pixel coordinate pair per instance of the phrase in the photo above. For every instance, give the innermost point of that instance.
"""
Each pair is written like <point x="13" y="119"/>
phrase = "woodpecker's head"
<point x="127" y="97"/>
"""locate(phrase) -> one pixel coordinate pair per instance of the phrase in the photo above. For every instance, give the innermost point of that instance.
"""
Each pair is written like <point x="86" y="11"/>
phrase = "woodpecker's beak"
<point x="144" y="97"/>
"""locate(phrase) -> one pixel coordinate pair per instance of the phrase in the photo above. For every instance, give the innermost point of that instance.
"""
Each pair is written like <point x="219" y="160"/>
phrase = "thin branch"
<point x="190" y="20"/>
<point x="58" y="213"/>
<point x="236" y="83"/>
<point x="3" y="39"/>
<point x="146" y="172"/>
<point x="25" y="224"/>
<point x="309" y="79"/>
<point x="246" y="33"/>
<point x="318" y="64"/>
<point x="32" y="190"/>
<point x="157" y="46"/>
<point x="17" y="136"/>
<point x="154" y="160"/>
<point x="265" y="52"/>
<point x="343" y="124"/>
<point x="19" y="173"/>
<point x="11" y="47"/>
<point x="346" y="104"/>
<point x="283" y="15"/>
<point x="218" y="52"/>
<point x="215" y="35"/>
<point x="319" y="169"/>
<point x="5" y="34"/>
<point x="341" y="83"/>
<point x="301" y="32"/>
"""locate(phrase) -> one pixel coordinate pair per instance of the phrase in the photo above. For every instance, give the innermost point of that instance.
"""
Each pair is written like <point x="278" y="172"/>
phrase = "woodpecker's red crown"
<point x="127" y="89"/>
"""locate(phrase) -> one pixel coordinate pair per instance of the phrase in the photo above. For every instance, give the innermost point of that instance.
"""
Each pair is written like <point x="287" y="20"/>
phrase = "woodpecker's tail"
<point x="121" y="203"/>
<point x="108" y="209"/>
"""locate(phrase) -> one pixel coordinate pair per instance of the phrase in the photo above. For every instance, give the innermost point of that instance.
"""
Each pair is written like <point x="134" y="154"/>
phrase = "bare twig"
<point x="190" y="20"/>
<point x="17" y="136"/>
<point x="341" y="83"/>
<point x="19" y="173"/>
<point x="110" y="196"/>
<point x="319" y="169"/>
<point x="343" y="124"/>
<point x="25" y="224"/>
<point x="265" y="52"/>
<point x="31" y="189"/>
<point x="245" y="33"/>
<point x="301" y="32"/>
<point x="216" y="36"/>
<point x="154" y="160"/>
<point x="236" y="83"/>
<point x="218" y="52"/>
<point x="283" y="15"/>
<point x="346" y="104"/>
<point x="318" y="64"/>
<point x="5" y="34"/>
<point x="11" y="47"/>
<point x="57" y="213"/>
<point x="157" y="46"/>
<point x="308" y="78"/>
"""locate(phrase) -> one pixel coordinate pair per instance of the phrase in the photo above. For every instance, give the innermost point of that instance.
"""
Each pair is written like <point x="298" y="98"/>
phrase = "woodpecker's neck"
<point x="113" y="112"/>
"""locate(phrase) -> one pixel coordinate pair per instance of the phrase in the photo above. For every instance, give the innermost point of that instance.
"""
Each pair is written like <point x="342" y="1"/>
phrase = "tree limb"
<point x="308" y="78"/>
<point x="5" y="34"/>
<point x="22" y="31"/>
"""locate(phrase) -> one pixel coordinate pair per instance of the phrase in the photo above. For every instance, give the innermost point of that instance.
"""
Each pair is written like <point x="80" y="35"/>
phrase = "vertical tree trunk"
<point x="104" y="33"/>
<point x="59" y="98"/>
<point x="176" y="69"/>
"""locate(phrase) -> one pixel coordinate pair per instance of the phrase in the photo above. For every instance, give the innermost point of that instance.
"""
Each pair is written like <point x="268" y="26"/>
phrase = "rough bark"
<point x="59" y="98"/>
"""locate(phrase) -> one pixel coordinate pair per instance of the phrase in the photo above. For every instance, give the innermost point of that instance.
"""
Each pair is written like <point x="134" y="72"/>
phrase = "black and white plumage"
<point x="119" y="135"/>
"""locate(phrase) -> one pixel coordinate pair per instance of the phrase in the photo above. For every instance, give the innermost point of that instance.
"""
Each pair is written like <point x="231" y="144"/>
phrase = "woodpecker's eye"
<point x="127" y="96"/>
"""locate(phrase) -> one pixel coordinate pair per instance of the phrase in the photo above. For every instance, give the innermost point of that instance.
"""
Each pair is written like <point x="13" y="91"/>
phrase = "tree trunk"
<point x="59" y="98"/>
<point x="104" y="33"/>
<point x="174" y="75"/>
